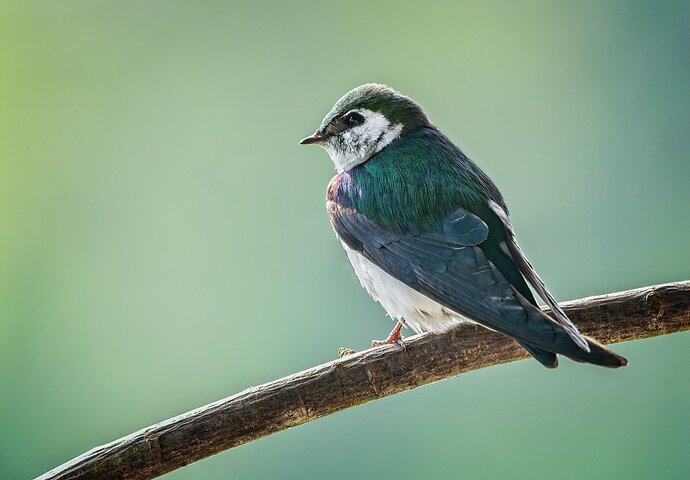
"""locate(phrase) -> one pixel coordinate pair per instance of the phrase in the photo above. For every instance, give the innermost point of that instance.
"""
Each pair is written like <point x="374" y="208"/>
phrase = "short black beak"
<point x="315" y="138"/>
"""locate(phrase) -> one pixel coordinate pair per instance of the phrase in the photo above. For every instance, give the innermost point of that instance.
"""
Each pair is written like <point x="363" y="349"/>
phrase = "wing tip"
<point x="579" y="340"/>
<point x="603" y="356"/>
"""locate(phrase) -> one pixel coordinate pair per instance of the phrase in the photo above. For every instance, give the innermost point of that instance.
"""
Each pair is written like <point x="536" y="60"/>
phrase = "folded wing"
<point x="448" y="266"/>
<point x="534" y="280"/>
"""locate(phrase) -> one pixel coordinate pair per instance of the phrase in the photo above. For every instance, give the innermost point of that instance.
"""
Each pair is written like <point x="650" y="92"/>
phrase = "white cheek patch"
<point x="355" y="145"/>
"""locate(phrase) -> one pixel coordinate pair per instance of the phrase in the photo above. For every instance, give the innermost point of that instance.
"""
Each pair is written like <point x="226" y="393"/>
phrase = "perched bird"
<point x="428" y="233"/>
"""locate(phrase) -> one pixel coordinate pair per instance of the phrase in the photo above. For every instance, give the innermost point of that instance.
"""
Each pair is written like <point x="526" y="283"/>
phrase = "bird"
<point x="428" y="232"/>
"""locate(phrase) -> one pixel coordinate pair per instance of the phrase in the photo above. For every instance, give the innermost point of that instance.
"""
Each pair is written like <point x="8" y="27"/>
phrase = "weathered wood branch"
<point x="359" y="378"/>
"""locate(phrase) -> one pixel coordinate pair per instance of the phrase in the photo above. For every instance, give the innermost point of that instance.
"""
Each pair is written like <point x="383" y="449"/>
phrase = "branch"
<point x="362" y="377"/>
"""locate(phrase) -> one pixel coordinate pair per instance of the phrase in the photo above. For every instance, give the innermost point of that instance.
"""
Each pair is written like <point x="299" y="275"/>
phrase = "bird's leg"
<point x="394" y="337"/>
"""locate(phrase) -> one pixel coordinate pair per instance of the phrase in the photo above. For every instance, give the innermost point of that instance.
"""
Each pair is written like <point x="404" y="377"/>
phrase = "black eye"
<point x="354" y="118"/>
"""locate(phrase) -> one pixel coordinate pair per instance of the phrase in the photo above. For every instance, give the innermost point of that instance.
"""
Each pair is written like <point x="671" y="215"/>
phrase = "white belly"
<point x="418" y="311"/>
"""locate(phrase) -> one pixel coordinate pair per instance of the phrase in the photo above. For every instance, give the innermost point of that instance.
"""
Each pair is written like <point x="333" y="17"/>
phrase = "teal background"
<point x="164" y="241"/>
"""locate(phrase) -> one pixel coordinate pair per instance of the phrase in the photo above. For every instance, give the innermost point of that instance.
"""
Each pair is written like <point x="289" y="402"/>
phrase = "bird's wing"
<point x="451" y="269"/>
<point x="534" y="280"/>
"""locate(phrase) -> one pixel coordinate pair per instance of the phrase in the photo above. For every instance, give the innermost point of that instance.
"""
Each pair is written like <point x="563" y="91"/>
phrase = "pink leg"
<point x="394" y="337"/>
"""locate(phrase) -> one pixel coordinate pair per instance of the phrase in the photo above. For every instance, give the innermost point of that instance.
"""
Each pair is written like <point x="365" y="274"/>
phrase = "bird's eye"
<point x="354" y="118"/>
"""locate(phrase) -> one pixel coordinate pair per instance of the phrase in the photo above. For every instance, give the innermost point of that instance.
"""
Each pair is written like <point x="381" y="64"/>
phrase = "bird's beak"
<point x="315" y="138"/>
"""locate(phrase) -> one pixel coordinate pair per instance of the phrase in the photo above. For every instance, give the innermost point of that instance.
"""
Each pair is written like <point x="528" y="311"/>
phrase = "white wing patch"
<point x="528" y="271"/>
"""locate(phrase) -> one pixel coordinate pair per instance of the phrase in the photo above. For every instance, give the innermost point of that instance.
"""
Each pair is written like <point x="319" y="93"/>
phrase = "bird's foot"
<point x="344" y="351"/>
<point x="394" y="337"/>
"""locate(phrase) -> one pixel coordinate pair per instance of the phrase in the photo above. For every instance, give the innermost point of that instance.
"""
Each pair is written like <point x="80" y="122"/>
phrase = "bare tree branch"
<point x="359" y="378"/>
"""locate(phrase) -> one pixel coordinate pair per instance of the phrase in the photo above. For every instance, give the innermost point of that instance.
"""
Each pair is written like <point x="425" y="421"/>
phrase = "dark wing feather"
<point x="449" y="267"/>
<point x="534" y="279"/>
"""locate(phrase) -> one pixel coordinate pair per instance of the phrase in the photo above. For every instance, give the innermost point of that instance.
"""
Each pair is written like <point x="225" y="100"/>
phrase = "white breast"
<point x="418" y="311"/>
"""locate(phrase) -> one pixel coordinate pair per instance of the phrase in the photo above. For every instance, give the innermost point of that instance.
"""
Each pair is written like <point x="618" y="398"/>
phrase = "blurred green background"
<point x="164" y="241"/>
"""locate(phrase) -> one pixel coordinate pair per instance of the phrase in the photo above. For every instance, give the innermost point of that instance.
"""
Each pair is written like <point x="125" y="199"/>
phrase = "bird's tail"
<point x="552" y="339"/>
<point x="599" y="355"/>
<point x="548" y="359"/>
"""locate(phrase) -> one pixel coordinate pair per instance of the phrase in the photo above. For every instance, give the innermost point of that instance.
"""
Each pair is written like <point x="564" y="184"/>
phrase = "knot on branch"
<point x="655" y="304"/>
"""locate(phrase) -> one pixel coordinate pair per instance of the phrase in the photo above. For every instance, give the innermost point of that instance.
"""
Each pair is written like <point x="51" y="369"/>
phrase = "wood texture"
<point x="359" y="378"/>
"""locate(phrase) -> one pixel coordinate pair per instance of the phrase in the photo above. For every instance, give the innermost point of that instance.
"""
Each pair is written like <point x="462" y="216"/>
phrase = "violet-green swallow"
<point x="428" y="233"/>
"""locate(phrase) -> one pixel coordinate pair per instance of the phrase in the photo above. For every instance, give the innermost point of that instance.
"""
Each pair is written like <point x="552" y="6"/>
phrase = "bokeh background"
<point x="164" y="241"/>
